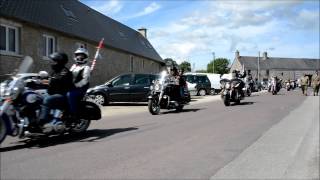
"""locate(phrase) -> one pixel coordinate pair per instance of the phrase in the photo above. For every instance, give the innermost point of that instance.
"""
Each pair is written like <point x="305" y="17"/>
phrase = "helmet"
<point x="43" y="74"/>
<point x="59" y="58"/>
<point x="85" y="54"/>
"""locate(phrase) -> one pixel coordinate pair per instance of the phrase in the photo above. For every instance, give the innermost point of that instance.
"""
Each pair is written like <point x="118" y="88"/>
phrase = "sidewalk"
<point x="289" y="150"/>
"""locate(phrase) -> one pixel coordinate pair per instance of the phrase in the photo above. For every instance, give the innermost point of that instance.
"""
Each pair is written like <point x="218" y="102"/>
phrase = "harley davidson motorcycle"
<point x="231" y="91"/>
<point x="20" y="108"/>
<point x="164" y="95"/>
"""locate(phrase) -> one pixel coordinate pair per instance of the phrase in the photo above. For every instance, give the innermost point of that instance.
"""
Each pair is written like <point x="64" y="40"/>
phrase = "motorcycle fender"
<point x="152" y="96"/>
<point x="89" y="111"/>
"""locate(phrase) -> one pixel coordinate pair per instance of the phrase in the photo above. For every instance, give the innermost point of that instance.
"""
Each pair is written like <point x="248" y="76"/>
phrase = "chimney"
<point x="265" y="55"/>
<point x="237" y="54"/>
<point x="143" y="32"/>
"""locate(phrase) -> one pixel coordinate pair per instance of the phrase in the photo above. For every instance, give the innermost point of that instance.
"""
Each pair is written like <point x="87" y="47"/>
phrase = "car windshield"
<point x="191" y="79"/>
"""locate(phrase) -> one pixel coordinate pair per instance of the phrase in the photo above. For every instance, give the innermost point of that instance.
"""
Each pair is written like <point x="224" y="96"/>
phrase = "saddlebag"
<point x="89" y="111"/>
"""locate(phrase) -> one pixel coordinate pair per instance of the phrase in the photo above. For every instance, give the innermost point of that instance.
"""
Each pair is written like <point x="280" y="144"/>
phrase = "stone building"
<point x="284" y="68"/>
<point x="39" y="27"/>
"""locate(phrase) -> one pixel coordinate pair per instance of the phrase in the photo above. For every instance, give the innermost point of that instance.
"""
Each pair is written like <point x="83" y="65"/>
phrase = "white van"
<point x="214" y="81"/>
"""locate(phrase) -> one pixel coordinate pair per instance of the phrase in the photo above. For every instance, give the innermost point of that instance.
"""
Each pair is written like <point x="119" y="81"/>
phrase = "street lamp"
<point x="214" y="56"/>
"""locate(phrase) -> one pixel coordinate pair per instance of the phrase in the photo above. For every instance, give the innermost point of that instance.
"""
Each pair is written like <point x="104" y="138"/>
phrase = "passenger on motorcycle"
<point x="60" y="82"/>
<point x="81" y="75"/>
<point x="174" y="80"/>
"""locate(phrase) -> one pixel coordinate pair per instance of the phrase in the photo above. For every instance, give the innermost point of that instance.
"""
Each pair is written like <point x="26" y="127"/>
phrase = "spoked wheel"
<point x="99" y="99"/>
<point x="3" y="130"/>
<point x="153" y="106"/>
<point x="81" y="126"/>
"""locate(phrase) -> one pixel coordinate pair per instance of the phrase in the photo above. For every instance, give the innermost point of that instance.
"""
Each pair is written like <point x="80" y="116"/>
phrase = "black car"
<point x="203" y="85"/>
<point x="123" y="88"/>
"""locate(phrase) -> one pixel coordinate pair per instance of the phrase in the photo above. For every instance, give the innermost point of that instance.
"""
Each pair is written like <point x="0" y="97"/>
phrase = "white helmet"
<point x="43" y="74"/>
<point x="81" y="51"/>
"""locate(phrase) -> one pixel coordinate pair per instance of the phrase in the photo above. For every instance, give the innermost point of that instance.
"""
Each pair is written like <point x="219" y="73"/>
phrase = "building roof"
<point x="76" y="19"/>
<point x="251" y="62"/>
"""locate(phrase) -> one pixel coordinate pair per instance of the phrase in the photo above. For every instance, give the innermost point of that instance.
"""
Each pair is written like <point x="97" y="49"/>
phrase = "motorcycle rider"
<point x="81" y="75"/>
<point x="236" y="76"/>
<point x="59" y="83"/>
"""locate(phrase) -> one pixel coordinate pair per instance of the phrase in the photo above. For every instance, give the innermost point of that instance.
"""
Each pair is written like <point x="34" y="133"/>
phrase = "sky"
<point x="194" y="30"/>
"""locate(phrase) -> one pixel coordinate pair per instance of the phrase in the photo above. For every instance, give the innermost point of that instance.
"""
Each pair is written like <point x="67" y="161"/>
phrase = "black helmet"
<point x="59" y="57"/>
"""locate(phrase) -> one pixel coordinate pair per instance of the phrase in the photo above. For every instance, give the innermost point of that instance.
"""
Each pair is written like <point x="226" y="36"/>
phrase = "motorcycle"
<point x="163" y="95"/>
<point x="288" y="86"/>
<point x="231" y="91"/>
<point x="20" y="108"/>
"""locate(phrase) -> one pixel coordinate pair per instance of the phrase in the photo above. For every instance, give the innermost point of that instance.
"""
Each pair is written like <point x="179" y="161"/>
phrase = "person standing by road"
<point x="316" y="83"/>
<point x="304" y="84"/>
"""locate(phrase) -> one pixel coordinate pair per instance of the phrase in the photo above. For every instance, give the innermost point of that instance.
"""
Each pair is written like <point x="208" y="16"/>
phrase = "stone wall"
<point x="112" y="62"/>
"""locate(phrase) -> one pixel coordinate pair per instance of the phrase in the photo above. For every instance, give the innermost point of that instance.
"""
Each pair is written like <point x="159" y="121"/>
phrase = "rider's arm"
<point x="85" y="77"/>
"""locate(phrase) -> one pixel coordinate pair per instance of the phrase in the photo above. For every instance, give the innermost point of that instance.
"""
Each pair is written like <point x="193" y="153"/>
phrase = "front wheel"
<point x="226" y="101"/>
<point x="202" y="92"/>
<point x="179" y="108"/>
<point x="81" y="126"/>
<point x="3" y="130"/>
<point x="153" y="106"/>
<point x="100" y="99"/>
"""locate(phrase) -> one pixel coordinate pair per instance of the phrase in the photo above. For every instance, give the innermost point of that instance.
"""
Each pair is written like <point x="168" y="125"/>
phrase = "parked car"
<point x="122" y="88"/>
<point x="203" y="85"/>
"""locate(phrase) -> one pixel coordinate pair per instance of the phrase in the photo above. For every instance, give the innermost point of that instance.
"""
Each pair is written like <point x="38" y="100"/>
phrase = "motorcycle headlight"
<point x="157" y="87"/>
<point x="227" y="85"/>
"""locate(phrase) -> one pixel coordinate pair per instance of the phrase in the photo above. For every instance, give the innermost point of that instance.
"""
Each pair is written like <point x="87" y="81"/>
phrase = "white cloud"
<point x="107" y="7"/>
<point x="147" y="10"/>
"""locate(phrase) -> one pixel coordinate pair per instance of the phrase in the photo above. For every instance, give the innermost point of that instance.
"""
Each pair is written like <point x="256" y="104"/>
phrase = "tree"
<point x="220" y="66"/>
<point x="170" y="62"/>
<point x="201" y="71"/>
<point x="186" y="66"/>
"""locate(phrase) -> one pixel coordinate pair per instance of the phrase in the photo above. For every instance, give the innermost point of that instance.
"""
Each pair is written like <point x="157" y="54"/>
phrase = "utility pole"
<point x="214" y="57"/>
<point x="259" y="66"/>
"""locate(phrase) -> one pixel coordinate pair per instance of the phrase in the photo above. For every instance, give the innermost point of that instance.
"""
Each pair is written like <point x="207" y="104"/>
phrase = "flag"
<point x="97" y="55"/>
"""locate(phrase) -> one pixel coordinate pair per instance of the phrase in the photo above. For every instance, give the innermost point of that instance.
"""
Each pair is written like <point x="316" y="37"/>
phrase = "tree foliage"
<point x="220" y="66"/>
<point x="186" y="66"/>
<point x="201" y="71"/>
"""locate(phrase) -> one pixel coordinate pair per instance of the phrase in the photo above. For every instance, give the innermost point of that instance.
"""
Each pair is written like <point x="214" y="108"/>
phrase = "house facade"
<point x="265" y="67"/>
<point x="39" y="28"/>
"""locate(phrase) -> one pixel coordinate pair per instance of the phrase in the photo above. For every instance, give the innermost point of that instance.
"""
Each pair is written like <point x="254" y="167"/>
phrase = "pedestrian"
<point x="316" y="83"/>
<point x="304" y="84"/>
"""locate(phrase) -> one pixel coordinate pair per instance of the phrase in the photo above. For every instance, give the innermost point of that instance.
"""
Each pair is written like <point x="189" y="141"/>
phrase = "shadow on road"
<point x="127" y="104"/>
<point x="44" y="141"/>
<point x="243" y="103"/>
<point x="183" y="111"/>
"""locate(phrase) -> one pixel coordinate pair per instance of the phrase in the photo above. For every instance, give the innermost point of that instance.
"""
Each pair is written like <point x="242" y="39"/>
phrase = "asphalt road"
<point x="193" y="144"/>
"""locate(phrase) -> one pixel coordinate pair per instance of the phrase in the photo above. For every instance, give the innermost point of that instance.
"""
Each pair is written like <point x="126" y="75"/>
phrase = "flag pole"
<point x="97" y="54"/>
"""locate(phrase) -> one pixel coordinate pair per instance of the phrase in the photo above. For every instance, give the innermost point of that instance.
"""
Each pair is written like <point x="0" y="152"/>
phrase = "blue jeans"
<point x="74" y="97"/>
<point x="56" y="101"/>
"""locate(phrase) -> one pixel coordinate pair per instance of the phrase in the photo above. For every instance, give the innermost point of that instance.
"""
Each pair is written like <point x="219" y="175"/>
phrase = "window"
<point x="124" y="80"/>
<point x="49" y="45"/>
<point x="141" y="79"/>
<point x="131" y="64"/>
<point x="9" y="39"/>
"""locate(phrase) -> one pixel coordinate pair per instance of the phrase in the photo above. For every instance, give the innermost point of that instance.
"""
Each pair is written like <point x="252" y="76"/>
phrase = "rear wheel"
<point x="202" y="92"/>
<point x="81" y="126"/>
<point x="153" y="106"/>
<point x="3" y="130"/>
